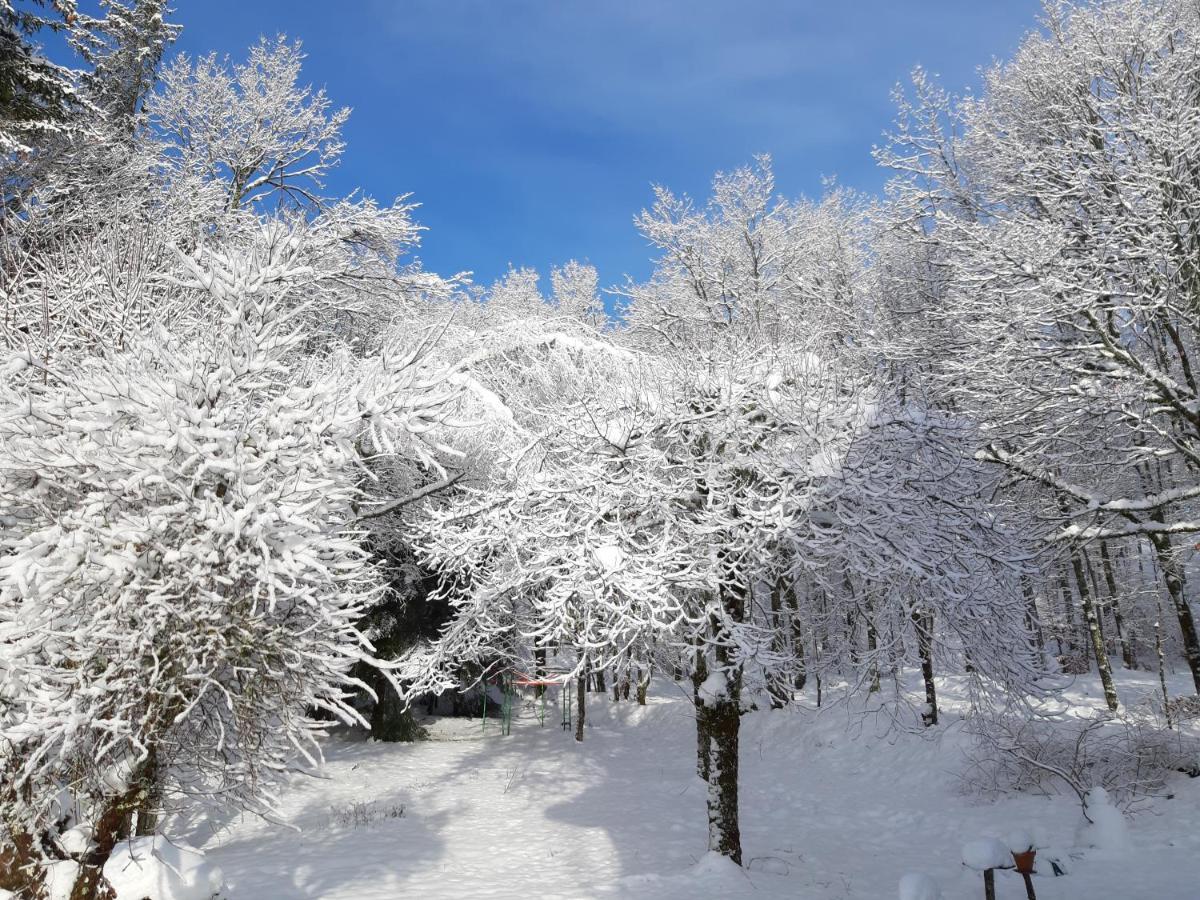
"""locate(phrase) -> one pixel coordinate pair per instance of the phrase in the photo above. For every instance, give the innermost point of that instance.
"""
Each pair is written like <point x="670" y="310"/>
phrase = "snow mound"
<point x="1019" y="840"/>
<point x="919" y="886"/>
<point x="986" y="853"/>
<point x="1108" y="830"/>
<point x="155" y="868"/>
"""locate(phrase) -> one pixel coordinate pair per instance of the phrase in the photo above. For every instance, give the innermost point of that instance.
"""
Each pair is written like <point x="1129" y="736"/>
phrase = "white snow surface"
<point x="919" y="886"/>
<point x="162" y="870"/>
<point x="832" y="809"/>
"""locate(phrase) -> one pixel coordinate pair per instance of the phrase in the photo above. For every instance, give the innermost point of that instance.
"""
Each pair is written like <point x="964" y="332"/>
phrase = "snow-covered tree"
<point x="180" y="570"/>
<point x="1064" y="207"/>
<point x="124" y="50"/>
<point x="250" y="126"/>
<point x="37" y="97"/>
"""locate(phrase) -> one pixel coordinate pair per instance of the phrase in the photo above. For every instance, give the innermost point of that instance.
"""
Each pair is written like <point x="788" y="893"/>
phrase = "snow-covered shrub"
<point x="181" y="577"/>
<point x="1124" y="756"/>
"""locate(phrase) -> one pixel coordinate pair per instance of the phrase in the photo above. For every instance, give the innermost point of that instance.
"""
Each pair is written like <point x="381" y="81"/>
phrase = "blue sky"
<point x="531" y="130"/>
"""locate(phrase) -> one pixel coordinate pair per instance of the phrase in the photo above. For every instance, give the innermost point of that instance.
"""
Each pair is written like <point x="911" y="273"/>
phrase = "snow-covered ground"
<point x="831" y="808"/>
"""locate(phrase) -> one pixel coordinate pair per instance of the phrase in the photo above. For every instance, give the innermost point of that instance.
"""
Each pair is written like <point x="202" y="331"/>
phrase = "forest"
<point x="851" y="493"/>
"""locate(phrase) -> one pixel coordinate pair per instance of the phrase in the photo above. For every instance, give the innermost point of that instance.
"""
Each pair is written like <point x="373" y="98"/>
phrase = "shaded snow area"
<point x="831" y="808"/>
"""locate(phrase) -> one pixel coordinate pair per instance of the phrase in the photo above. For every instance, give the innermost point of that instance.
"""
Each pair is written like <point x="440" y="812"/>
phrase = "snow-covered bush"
<point x="1127" y="757"/>
<point x="180" y="572"/>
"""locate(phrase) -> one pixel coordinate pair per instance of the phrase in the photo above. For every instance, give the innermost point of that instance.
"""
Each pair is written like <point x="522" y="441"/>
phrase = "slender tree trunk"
<point x="643" y="685"/>
<point x="1032" y="620"/>
<point x="599" y="682"/>
<point x="1162" y="671"/>
<point x="1093" y="626"/>
<point x="801" y="678"/>
<point x="923" y="622"/>
<point x="1097" y="599"/>
<point x="872" y="649"/>
<point x="1173" y="577"/>
<point x="580" y="705"/>
<point x="699" y="674"/>
<point x="778" y="688"/>
<point x="1069" y="614"/>
<point x="539" y="669"/>
<point x="1128" y="654"/>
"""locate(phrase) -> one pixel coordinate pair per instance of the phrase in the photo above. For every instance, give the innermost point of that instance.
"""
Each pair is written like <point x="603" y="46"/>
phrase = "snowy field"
<point x="831" y="808"/>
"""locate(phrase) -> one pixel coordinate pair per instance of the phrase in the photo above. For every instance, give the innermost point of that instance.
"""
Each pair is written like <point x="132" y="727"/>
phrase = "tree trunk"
<point x="699" y="674"/>
<point x="539" y="669"/>
<point x="643" y="685"/>
<point x="872" y="650"/>
<point x="111" y="827"/>
<point x="778" y="688"/>
<point x="923" y="623"/>
<point x="391" y="719"/>
<point x="1093" y="626"/>
<point x="1069" y="614"/>
<point x="145" y="818"/>
<point x="580" y="705"/>
<point x="724" y="715"/>
<point x="1128" y="653"/>
<point x="1173" y="577"/>
<point x="599" y="682"/>
<point x="1032" y="620"/>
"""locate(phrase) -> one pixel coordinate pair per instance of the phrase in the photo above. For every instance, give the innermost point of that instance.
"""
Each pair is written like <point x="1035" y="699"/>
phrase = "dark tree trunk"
<point x="699" y="674"/>
<point x="923" y="622"/>
<point x="599" y="682"/>
<point x="798" y="642"/>
<point x="391" y="720"/>
<point x="1173" y="576"/>
<point x="724" y="718"/>
<point x="580" y="705"/>
<point x="872" y="648"/>
<point x="643" y="685"/>
<point x="724" y="714"/>
<point x="539" y="669"/>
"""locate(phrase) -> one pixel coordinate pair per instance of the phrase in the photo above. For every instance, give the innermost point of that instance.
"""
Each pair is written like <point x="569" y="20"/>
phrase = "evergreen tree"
<point x="37" y="96"/>
<point x="124" y="51"/>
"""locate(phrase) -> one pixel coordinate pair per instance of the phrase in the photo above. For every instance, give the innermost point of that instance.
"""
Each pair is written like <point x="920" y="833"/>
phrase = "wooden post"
<point x="989" y="884"/>
<point x="1024" y="863"/>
